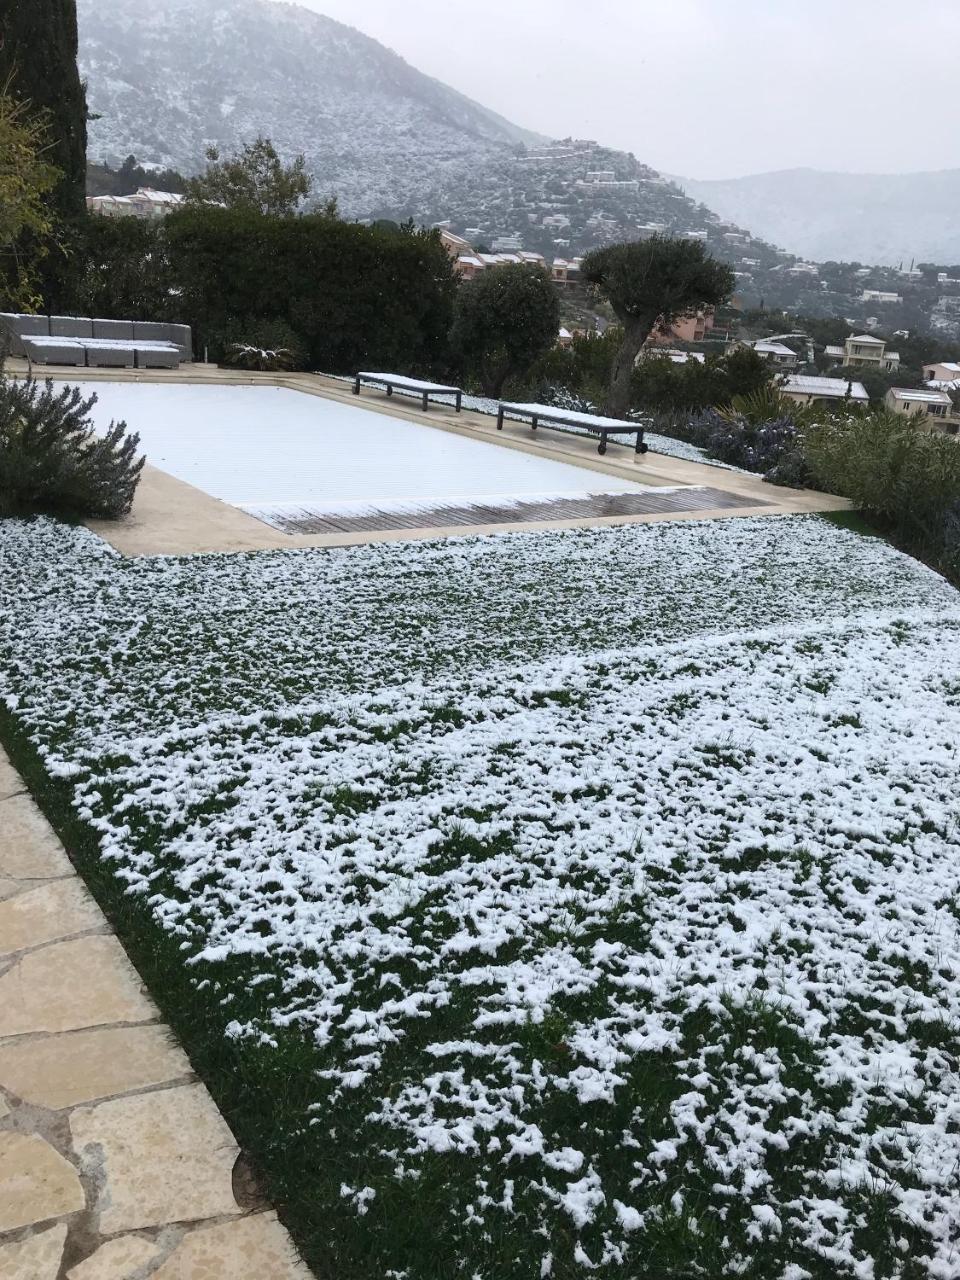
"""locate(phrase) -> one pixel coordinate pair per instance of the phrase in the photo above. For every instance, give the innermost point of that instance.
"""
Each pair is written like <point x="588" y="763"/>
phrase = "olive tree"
<point x="254" y="179"/>
<point x="650" y="284"/>
<point x="505" y="319"/>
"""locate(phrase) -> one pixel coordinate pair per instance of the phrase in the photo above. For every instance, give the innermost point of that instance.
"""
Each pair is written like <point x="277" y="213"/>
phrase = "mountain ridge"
<point x="829" y="215"/>
<point x="171" y="79"/>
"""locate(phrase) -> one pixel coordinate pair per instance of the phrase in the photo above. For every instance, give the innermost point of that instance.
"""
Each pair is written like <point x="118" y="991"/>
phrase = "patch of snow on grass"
<point x="634" y="907"/>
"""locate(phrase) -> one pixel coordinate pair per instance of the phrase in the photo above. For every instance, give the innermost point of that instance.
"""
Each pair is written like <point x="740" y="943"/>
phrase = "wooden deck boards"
<point x="420" y="516"/>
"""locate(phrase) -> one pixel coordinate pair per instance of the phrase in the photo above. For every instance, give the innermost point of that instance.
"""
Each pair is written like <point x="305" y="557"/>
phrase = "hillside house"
<point x="828" y="391"/>
<point x="880" y="295"/>
<point x="947" y="371"/>
<point x="933" y="409"/>
<point x="670" y="353"/>
<point x="776" y="353"/>
<point x="692" y="328"/>
<point x="467" y="266"/>
<point x="565" y="271"/>
<point x="455" y="245"/>
<point x="145" y="203"/>
<point x="866" y="350"/>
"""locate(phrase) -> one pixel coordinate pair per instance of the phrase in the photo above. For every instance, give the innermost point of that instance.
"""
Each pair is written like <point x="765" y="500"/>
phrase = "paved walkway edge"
<point x="115" y="1163"/>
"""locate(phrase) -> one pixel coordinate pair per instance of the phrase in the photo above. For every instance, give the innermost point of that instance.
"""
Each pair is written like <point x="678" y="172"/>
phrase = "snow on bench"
<point x="555" y="419"/>
<point x="396" y="380"/>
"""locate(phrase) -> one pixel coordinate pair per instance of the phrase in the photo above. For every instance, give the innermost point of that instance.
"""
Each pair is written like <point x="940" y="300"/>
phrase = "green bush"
<point x="892" y="469"/>
<point x="52" y="461"/>
<point x="504" y="321"/>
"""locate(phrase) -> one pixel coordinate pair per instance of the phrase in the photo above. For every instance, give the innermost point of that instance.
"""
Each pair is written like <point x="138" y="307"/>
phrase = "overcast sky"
<point x="700" y="88"/>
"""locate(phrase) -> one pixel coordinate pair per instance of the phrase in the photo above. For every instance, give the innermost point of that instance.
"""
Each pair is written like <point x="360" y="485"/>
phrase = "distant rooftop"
<point x="914" y="396"/>
<point x="835" y="388"/>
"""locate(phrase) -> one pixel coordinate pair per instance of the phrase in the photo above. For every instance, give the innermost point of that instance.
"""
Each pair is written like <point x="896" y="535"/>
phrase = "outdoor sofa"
<point x="81" y="340"/>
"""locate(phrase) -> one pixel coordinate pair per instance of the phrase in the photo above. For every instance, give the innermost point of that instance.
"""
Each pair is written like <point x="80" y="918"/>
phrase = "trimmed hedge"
<point x="356" y="296"/>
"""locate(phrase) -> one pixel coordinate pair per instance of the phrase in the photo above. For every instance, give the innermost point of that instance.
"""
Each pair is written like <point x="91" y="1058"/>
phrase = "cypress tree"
<point x="38" y="62"/>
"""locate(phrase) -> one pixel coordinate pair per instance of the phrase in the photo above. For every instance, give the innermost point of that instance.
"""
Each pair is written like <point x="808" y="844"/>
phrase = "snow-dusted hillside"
<point x="865" y="217"/>
<point x="171" y="77"/>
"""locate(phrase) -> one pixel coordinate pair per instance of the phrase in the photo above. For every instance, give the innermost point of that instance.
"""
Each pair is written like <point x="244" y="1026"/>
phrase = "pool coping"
<point x="171" y="517"/>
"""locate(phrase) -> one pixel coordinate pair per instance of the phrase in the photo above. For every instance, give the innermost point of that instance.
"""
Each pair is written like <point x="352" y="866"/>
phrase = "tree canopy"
<point x="255" y="179"/>
<point x="38" y="67"/>
<point x="505" y="319"/>
<point x="27" y="228"/>
<point x="652" y="283"/>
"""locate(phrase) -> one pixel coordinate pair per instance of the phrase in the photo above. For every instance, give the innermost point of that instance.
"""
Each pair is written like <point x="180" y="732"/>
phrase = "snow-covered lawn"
<point x="609" y="877"/>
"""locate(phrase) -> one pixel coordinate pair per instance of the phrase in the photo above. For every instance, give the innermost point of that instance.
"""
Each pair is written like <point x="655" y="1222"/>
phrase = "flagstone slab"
<point x="69" y="985"/>
<point x="82" y="1066"/>
<point x="54" y="910"/>
<point x="10" y="780"/>
<point x="29" y="849"/>
<point x="36" y="1182"/>
<point x="9" y="887"/>
<point x="166" y="1156"/>
<point x="247" y="1249"/>
<point x="118" y="1259"/>
<point x="36" y="1258"/>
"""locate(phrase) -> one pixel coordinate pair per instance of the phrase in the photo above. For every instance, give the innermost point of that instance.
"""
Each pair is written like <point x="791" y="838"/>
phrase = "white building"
<point x="776" y="353"/>
<point x="946" y="372"/>
<point x="935" y="408"/>
<point x="864" y="349"/>
<point x="144" y="203"/>
<point x="833" y="391"/>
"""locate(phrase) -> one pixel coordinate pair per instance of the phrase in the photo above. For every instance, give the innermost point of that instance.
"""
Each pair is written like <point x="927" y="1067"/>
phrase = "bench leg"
<point x="603" y="444"/>
<point x="389" y="389"/>
<point x="459" y="400"/>
<point x="533" y="424"/>
<point x="356" y="386"/>
<point x="424" y="402"/>
<point x="500" y="419"/>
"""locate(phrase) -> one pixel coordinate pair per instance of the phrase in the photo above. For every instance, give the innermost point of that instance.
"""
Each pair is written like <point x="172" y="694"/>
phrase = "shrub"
<point x="889" y="467"/>
<point x="504" y="321"/>
<point x="269" y="347"/>
<point x="772" y="447"/>
<point x="358" y="297"/>
<point x="241" y="355"/>
<point x="52" y="461"/>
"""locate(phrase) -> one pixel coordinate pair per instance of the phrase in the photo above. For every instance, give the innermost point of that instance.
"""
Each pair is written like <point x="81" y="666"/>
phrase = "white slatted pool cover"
<point x="269" y="449"/>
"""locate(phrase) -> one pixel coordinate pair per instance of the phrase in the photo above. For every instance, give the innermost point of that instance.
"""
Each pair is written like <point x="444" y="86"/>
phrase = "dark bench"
<point x="398" y="381"/>
<point x="573" y="423"/>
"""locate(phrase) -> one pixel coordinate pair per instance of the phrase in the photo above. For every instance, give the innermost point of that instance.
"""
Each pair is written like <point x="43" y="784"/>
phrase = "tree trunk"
<point x="618" y="392"/>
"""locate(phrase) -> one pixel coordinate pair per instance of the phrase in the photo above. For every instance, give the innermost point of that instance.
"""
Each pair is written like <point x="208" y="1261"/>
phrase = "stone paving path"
<point x="115" y="1164"/>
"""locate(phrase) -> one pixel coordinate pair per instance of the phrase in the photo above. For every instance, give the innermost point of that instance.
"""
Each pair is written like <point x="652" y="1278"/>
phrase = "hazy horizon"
<point x="759" y="90"/>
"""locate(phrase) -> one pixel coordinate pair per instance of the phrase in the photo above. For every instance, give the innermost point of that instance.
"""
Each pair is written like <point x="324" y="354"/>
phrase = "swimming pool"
<point x="270" y="450"/>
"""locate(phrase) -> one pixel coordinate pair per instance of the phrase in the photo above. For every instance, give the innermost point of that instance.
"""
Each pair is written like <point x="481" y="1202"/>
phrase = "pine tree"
<point x="38" y="60"/>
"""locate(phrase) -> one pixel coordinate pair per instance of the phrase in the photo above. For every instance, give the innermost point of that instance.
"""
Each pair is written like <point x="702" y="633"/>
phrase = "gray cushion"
<point x="50" y="351"/>
<point x="150" y="357"/>
<point x="119" y="329"/>
<point x="109" y="357"/>
<point x="70" y="327"/>
<point x="179" y="334"/>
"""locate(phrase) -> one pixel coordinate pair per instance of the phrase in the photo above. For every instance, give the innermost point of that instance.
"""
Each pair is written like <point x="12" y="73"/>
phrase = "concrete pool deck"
<point x="171" y="517"/>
